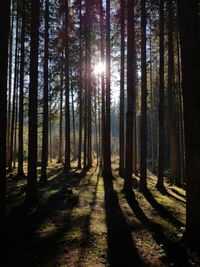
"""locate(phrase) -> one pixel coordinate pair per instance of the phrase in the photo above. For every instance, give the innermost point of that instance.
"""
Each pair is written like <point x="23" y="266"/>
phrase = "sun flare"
<point x="99" y="68"/>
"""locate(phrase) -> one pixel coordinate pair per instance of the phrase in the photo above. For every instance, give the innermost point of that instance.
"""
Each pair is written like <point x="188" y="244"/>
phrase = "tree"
<point x="122" y="80"/>
<point x="160" y="182"/>
<point x="4" y="33"/>
<point x="21" y="95"/>
<point x="45" y="98"/>
<point x="67" y="109"/>
<point x="190" y="43"/>
<point x="143" y="139"/>
<point x="130" y="96"/>
<point x="107" y="148"/>
<point x="31" y="193"/>
<point x="171" y="108"/>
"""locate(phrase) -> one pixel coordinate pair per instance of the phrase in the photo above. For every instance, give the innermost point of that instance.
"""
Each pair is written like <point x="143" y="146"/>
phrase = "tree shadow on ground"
<point x="162" y="211"/>
<point x="178" y="193"/>
<point x="175" y="198"/>
<point x="121" y="248"/>
<point x="25" y="246"/>
<point x="174" y="253"/>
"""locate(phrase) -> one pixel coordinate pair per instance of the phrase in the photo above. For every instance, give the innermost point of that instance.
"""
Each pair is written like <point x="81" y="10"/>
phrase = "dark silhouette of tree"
<point x="67" y="108"/>
<point x="122" y="81"/>
<point x="31" y="193"/>
<point x="21" y="94"/>
<point x="4" y="33"/>
<point x="189" y="35"/>
<point x="160" y="182"/>
<point x="45" y="98"/>
<point x="143" y="139"/>
<point x="130" y="96"/>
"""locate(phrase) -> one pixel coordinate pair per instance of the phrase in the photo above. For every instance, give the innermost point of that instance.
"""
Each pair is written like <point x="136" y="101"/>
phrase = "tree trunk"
<point x="189" y="35"/>
<point x="31" y="193"/>
<point x="121" y="122"/>
<point x="67" y="109"/>
<point x="107" y="150"/>
<point x="43" y="178"/>
<point x="10" y="167"/>
<point x="130" y="96"/>
<point x="171" y="107"/>
<point x="160" y="182"/>
<point x="143" y="134"/>
<point x="80" y="90"/>
<point x="21" y="98"/>
<point x="4" y="34"/>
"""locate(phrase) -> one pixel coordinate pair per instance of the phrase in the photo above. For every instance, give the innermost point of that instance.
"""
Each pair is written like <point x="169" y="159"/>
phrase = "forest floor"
<point x="85" y="220"/>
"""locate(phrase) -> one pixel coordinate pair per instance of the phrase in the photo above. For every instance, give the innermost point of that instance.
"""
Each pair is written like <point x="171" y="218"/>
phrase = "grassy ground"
<point x="85" y="220"/>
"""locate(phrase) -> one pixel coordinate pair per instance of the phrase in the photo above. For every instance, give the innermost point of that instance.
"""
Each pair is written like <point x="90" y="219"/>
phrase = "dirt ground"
<point x="86" y="220"/>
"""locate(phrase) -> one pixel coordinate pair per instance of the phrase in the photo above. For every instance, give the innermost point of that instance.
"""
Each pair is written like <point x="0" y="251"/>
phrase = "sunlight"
<point x="99" y="68"/>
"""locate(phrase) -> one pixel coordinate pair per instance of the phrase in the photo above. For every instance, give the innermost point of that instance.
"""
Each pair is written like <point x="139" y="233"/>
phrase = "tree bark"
<point x="130" y="96"/>
<point x="45" y="125"/>
<point x="160" y="181"/>
<point x="189" y="36"/>
<point x="4" y="34"/>
<point x="121" y="122"/>
<point x="31" y="193"/>
<point x="143" y="133"/>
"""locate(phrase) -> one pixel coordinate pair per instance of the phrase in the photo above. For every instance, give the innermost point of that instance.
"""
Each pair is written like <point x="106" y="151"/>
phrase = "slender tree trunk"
<point x="171" y="107"/>
<point x="67" y="109"/>
<point x="130" y="96"/>
<point x="160" y="182"/>
<point x="80" y="90"/>
<point x="4" y="34"/>
<point x="73" y="125"/>
<point x="45" y="98"/>
<point x="190" y="43"/>
<point x="102" y="84"/>
<point x="107" y="150"/>
<point x="60" y="155"/>
<point x="10" y="79"/>
<point x="121" y="122"/>
<point x="143" y="134"/>
<point x="21" y="97"/>
<point x="10" y="167"/>
<point x="31" y="193"/>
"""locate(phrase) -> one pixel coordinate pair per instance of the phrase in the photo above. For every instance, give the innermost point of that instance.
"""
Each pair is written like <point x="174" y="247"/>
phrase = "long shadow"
<point x="178" y="193"/>
<point x="23" y="244"/>
<point x="173" y="251"/>
<point x="121" y="249"/>
<point x="175" y="198"/>
<point x="162" y="211"/>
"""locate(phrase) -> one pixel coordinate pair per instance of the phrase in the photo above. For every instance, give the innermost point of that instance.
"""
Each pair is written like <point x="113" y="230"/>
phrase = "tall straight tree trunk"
<point x="10" y="167"/>
<point x="21" y="97"/>
<point x="160" y="181"/>
<point x="190" y="54"/>
<point x="121" y="122"/>
<point x="130" y="96"/>
<point x="171" y="106"/>
<point x="31" y="193"/>
<point x="143" y="133"/>
<point x="67" y="109"/>
<point x="181" y="122"/>
<point x="10" y="78"/>
<point x="102" y="84"/>
<point x="73" y="125"/>
<point x="60" y="155"/>
<point x="107" y="150"/>
<point x="45" y="98"/>
<point x="4" y="34"/>
<point x="89" y="86"/>
<point x="80" y="89"/>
